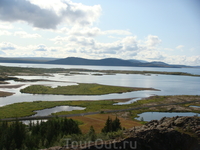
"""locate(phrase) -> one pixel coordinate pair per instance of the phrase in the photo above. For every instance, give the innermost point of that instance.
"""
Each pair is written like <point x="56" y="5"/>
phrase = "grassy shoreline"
<point x="14" y="71"/>
<point x="5" y="94"/>
<point x="80" y="89"/>
<point x="26" y="108"/>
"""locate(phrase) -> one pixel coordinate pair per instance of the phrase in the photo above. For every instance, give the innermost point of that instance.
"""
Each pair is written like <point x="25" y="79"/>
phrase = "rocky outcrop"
<point x="177" y="133"/>
<point x="187" y="124"/>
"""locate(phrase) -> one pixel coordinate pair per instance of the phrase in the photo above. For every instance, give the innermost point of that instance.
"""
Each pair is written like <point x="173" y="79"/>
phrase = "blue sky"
<point x="151" y="30"/>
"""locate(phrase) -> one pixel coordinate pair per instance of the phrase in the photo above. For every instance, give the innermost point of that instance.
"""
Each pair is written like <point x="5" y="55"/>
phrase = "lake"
<point x="167" y="84"/>
<point x="187" y="70"/>
<point x="148" y="116"/>
<point x="47" y="112"/>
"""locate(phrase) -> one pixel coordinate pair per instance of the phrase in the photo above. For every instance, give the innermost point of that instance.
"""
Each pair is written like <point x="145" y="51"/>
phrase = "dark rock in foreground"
<point x="177" y="133"/>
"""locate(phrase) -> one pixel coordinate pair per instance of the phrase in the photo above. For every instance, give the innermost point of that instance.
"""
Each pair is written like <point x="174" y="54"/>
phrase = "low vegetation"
<point x="112" y="125"/>
<point x="98" y="121"/>
<point x="17" y="135"/>
<point x="3" y="82"/>
<point x="26" y="108"/>
<point x="13" y="71"/>
<point x="5" y="94"/>
<point x="55" y="131"/>
<point x="81" y="89"/>
<point x="3" y="78"/>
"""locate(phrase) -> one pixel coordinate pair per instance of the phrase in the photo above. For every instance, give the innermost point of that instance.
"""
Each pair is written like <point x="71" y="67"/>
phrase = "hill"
<point x="101" y="62"/>
<point x="25" y="59"/>
<point x="91" y="62"/>
<point x="110" y="62"/>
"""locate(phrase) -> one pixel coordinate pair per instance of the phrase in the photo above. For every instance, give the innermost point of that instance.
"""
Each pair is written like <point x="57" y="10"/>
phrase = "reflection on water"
<point x="195" y="106"/>
<point x="27" y="122"/>
<point x="148" y="116"/>
<point x="167" y="84"/>
<point x="188" y="70"/>
<point x="49" y="111"/>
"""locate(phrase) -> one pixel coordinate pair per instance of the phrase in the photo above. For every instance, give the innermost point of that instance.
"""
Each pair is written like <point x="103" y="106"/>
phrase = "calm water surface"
<point x="167" y="84"/>
<point x="188" y="70"/>
<point x="196" y="106"/>
<point x="148" y="116"/>
<point x="47" y="112"/>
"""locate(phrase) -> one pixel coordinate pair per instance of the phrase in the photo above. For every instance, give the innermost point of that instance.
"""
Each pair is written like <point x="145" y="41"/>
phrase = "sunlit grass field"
<point x="80" y="89"/>
<point x="98" y="122"/>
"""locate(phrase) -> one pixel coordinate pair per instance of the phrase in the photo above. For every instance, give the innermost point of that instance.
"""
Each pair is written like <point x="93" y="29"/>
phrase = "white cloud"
<point x="108" y="48"/>
<point x="79" y="14"/>
<point x="81" y="41"/>
<point x="24" y="34"/>
<point x="113" y="37"/>
<point x="74" y="40"/>
<point x="193" y="60"/>
<point x="192" y="49"/>
<point x="91" y="31"/>
<point x="59" y="40"/>
<point x="150" y="55"/>
<point x="55" y="5"/>
<point x="118" y="32"/>
<point x="179" y="47"/>
<point x="7" y="46"/>
<point x="5" y="32"/>
<point x="41" y="48"/>
<point x="168" y="49"/>
<point x="5" y="25"/>
<point x="153" y="41"/>
<point x="50" y="15"/>
<point x="130" y="43"/>
<point x="184" y="60"/>
<point x="23" y="10"/>
<point x="126" y="48"/>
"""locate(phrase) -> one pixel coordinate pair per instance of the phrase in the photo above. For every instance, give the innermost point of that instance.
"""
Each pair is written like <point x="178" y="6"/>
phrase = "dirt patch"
<point x="98" y="121"/>
<point x="4" y="94"/>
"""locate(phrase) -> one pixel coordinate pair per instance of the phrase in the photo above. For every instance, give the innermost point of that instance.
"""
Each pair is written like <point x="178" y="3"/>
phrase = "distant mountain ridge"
<point x="94" y="62"/>
<point x="25" y="59"/>
<point x="111" y="62"/>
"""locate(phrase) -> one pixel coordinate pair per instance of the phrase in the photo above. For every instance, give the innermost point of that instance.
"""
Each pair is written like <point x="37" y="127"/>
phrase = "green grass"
<point x="11" y="71"/>
<point x="81" y="89"/>
<point x="26" y="108"/>
<point x="4" y="78"/>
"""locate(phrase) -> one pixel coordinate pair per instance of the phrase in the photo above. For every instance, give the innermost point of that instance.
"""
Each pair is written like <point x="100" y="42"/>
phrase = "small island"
<point x="4" y="94"/>
<point x="80" y="89"/>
